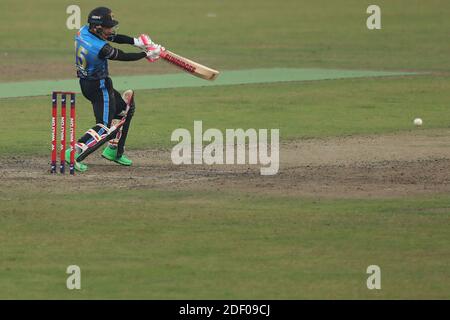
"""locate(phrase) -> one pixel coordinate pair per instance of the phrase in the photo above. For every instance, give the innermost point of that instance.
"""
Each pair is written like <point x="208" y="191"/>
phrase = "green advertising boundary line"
<point x="183" y="80"/>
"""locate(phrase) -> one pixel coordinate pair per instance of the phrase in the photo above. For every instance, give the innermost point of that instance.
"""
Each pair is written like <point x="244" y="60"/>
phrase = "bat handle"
<point x="161" y="55"/>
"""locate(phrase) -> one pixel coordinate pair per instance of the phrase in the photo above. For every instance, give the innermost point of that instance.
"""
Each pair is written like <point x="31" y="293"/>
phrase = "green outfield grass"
<point x="178" y="245"/>
<point x="244" y="34"/>
<point x="156" y="244"/>
<point x="298" y="109"/>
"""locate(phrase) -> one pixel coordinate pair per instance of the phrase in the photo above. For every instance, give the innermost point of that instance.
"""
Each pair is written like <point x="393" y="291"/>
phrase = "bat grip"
<point x="147" y="44"/>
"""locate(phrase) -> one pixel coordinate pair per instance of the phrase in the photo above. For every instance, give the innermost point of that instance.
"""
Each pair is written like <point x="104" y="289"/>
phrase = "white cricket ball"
<point x="418" y="122"/>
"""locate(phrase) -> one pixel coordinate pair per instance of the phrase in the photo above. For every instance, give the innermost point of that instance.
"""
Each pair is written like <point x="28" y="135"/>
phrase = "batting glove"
<point x="142" y="42"/>
<point x="153" y="52"/>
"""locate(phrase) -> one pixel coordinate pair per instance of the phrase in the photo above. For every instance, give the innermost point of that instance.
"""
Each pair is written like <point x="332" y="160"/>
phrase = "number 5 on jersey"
<point x="81" y="58"/>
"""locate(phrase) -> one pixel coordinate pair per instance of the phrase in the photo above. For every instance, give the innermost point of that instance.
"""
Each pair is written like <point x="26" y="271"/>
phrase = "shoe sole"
<point x="105" y="157"/>
<point x="122" y="164"/>
<point x="114" y="160"/>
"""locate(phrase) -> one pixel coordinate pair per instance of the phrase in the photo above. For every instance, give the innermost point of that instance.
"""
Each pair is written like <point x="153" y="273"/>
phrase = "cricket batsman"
<point x="92" y="54"/>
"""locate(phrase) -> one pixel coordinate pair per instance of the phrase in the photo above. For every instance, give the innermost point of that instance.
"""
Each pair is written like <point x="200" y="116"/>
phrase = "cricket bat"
<point x="185" y="64"/>
<point x="189" y="66"/>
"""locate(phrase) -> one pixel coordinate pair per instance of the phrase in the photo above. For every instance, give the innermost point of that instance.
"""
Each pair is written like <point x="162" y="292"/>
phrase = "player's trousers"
<point x="107" y="104"/>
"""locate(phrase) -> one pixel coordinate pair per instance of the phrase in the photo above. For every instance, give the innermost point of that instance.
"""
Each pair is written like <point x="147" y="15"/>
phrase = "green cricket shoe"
<point x="123" y="160"/>
<point x="111" y="154"/>
<point x="79" y="166"/>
